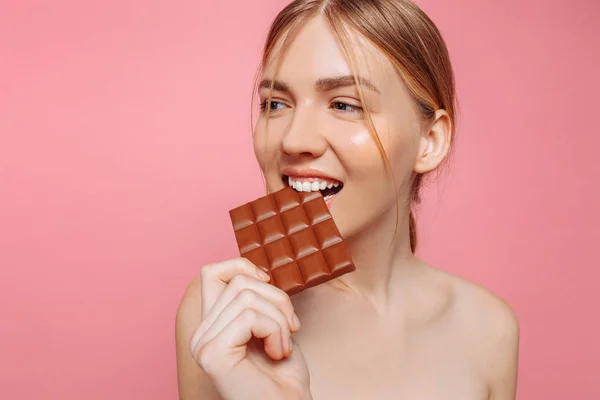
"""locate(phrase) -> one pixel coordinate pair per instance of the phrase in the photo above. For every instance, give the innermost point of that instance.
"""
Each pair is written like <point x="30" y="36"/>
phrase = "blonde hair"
<point x="404" y="34"/>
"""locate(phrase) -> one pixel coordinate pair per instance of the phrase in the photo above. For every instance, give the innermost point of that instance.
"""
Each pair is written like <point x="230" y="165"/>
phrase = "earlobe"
<point x="434" y="143"/>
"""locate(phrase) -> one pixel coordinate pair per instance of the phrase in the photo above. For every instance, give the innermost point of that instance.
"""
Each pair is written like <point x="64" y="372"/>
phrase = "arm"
<point x="193" y="383"/>
<point x="503" y="356"/>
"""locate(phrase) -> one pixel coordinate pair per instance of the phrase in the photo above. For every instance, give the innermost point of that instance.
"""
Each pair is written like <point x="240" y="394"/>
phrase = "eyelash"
<point x="355" y="109"/>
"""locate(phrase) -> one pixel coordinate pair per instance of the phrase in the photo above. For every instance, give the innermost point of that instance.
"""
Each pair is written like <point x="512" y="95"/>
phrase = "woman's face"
<point x="318" y="136"/>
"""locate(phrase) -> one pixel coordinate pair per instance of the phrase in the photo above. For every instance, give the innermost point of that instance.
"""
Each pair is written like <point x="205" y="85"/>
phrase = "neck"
<point x="379" y="257"/>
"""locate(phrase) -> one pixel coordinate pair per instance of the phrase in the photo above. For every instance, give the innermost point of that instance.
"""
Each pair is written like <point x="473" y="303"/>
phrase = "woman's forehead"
<point x="315" y="53"/>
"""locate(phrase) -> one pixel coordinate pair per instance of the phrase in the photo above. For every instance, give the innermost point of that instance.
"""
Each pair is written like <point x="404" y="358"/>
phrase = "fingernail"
<point x="296" y="321"/>
<point x="263" y="275"/>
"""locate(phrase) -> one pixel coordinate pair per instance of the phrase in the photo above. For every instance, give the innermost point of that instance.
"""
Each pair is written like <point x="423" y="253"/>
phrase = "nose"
<point x="303" y="136"/>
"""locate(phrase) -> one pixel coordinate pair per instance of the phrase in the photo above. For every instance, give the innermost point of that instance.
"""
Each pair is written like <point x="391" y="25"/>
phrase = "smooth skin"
<point x="396" y="328"/>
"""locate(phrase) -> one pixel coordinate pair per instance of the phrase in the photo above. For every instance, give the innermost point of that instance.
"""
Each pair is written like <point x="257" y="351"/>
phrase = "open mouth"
<point x="328" y="188"/>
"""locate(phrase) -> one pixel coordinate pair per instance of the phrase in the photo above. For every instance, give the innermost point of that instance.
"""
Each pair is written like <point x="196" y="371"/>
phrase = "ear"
<point x="434" y="143"/>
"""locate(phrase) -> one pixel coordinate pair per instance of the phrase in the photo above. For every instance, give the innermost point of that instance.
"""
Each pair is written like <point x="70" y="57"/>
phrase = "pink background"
<point x="125" y="140"/>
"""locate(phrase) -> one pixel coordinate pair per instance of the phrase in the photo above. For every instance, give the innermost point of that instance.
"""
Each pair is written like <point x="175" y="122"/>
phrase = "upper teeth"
<point x="313" y="186"/>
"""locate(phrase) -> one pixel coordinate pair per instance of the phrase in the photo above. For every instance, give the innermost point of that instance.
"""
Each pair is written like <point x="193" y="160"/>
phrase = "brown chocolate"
<point x="292" y="237"/>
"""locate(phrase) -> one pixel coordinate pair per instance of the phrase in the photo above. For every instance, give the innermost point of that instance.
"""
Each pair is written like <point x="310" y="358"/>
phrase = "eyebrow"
<point x="322" y="85"/>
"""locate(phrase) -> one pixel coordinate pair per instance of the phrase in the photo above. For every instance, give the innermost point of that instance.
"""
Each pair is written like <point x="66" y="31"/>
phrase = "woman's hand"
<point x="239" y="308"/>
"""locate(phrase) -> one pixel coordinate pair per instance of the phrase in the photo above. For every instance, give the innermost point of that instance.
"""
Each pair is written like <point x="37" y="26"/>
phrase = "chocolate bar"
<point x="291" y="236"/>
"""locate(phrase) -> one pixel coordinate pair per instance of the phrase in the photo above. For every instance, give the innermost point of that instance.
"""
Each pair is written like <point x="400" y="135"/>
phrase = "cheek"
<point x="260" y="148"/>
<point x="360" y="138"/>
<point x="359" y="152"/>
<point x="266" y="145"/>
<point x="364" y="163"/>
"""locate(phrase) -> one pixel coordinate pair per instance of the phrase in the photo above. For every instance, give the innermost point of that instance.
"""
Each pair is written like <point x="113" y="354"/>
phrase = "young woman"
<point x="357" y="97"/>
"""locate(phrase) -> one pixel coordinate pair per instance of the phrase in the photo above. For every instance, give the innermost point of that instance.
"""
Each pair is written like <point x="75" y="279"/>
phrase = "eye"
<point x="345" y="107"/>
<point x="274" y="105"/>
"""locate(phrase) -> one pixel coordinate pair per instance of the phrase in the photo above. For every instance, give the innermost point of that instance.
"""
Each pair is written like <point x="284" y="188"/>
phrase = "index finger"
<point x="215" y="277"/>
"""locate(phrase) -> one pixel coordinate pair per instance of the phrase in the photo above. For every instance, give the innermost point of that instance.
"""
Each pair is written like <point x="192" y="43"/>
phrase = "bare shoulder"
<point x="192" y="381"/>
<point x="473" y="305"/>
<point x="190" y="301"/>
<point x="479" y="308"/>
<point x="189" y="312"/>
<point x="492" y="329"/>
